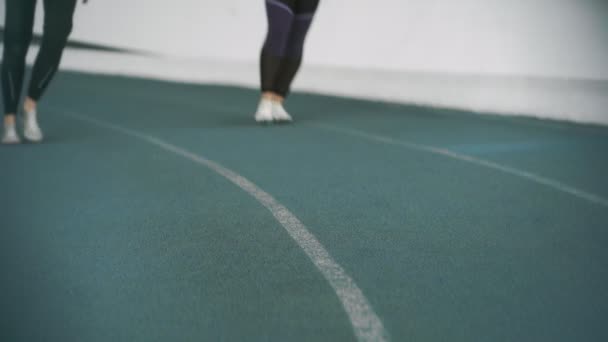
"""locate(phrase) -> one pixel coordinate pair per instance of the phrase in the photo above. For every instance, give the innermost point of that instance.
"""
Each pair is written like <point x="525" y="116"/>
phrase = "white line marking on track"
<point x="477" y="161"/>
<point x="367" y="326"/>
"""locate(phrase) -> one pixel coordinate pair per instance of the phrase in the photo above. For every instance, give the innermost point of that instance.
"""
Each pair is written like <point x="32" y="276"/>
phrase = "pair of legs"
<point x="19" y="23"/>
<point x="288" y="24"/>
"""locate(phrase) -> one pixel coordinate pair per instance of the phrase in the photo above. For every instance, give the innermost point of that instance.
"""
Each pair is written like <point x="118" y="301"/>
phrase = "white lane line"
<point x="367" y="326"/>
<point x="477" y="161"/>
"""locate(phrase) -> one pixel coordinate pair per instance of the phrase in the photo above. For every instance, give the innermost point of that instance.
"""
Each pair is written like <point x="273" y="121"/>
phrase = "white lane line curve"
<point x="556" y="185"/>
<point x="366" y="324"/>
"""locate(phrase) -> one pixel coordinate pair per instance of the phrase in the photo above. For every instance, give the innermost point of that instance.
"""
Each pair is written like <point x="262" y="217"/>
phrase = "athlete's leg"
<point x="280" y="15"/>
<point x="290" y="64"/>
<point x="17" y="37"/>
<point x="58" y="16"/>
<point x="284" y="67"/>
<point x="57" y="27"/>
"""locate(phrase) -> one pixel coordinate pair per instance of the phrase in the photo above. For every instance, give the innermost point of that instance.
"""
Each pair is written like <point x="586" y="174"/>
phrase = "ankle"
<point x="29" y="105"/>
<point x="273" y="97"/>
<point x="268" y="96"/>
<point x="10" y="119"/>
<point x="278" y="99"/>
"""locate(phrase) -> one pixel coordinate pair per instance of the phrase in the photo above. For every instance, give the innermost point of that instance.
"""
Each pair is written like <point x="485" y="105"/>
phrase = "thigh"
<point x="289" y="3"/>
<point x="306" y="6"/>
<point x="19" y="19"/>
<point x="58" y="15"/>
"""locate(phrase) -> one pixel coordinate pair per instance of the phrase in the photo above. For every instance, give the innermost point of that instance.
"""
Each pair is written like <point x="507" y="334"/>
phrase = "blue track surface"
<point x="107" y="237"/>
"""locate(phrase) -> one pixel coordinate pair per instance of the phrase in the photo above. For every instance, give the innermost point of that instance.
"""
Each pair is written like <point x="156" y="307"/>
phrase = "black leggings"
<point x="17" y="37"/>
<point x="288" y="24"/>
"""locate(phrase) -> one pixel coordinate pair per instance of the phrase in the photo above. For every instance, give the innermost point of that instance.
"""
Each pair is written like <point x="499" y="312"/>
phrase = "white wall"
<point x="555" y="39"/>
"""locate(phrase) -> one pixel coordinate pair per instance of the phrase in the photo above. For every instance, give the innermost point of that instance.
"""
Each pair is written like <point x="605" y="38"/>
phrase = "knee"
<point x="16" y="46"/>
<point x="297" y="37"/>
<point x="276" y="42"/>
<point x="66" y="29"/>
<point x="280" y="19"/>
<point x="57" y="34"/>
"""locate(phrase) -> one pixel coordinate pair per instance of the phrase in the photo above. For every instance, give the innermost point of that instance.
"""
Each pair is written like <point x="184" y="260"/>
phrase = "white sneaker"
<point x="31" y="130"/>
<point x="264" y="112"/>
<point x="10" y="135"/>
<point x="279" y="113"/>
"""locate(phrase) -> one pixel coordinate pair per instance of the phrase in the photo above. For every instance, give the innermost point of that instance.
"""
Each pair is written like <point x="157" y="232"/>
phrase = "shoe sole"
<point x="273" y="120"/>
<point x="264" y="121"/>
<point x="34" y="140"/>
<point x="283" y="121"/>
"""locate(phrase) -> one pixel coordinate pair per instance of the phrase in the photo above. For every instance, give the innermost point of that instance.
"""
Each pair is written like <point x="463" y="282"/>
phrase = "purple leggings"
<point x="288" y="24"/>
